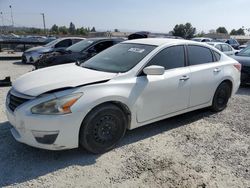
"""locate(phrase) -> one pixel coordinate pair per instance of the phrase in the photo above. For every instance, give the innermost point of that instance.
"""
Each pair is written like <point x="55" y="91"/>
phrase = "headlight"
<point x="59" y="106"/>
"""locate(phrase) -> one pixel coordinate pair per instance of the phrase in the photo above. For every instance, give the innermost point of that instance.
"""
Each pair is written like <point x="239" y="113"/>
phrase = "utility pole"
<point x="12" y="19"/>
<point x="44" y="26"/>
<point x="2" y="22"/>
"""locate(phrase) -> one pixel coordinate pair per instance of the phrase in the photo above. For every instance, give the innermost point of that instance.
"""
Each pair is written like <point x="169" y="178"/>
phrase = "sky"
<point x="129" y="15"/>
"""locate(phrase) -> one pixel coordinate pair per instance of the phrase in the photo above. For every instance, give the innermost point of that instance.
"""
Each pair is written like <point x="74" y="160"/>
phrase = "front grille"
<point x="15" y="101"/>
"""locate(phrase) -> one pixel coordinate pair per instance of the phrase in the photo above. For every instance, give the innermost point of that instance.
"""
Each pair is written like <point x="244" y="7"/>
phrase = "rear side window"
<point x="218" y="46"/>
<point x="199" y="55"/>
<point x="217" y="56"/>
<point x="169" y="58"/>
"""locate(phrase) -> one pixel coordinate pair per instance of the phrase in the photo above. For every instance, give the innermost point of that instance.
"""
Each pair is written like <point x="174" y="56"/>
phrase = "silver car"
<point x="32" y="55"/>
<point x="224" y="47"/>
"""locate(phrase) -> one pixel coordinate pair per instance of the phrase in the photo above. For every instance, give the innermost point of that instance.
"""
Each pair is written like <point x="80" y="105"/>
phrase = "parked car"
<point x="146" y="34"/>
<point x="32" y="55"/>
<point x="243" y="57"/>
<point x="80" y="51"/>
<point x="224" y="47"/>
<point x="129" y="85"/>
<point x="233" y="42"/>
<point x="241" y="47"/>
<point x="201" y="39"/>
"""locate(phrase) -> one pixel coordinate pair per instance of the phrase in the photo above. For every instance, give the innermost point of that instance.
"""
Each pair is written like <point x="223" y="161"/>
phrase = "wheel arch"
<point x="124" y="107"/>
<point x="230" y="82"/>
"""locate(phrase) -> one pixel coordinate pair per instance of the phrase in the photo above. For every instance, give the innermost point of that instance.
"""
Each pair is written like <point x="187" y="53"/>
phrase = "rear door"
<point x="167" y="93"/>
<point x="206" y="73"/>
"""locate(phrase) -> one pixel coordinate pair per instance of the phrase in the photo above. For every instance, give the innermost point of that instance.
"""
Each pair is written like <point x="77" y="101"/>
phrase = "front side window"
<point x="199" y="55"/>
<point x="52" y="43"/>
<point x="102" y="46"/>
<point x="119" y="58"/>
<point x="169" y="58"/>
<point x="76" y="40"/>
<point x="80" y="46"/>
<point x="64" y="43"/>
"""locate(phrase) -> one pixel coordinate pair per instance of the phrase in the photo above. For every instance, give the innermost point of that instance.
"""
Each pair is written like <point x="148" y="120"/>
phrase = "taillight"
<point x="238" y="66"/>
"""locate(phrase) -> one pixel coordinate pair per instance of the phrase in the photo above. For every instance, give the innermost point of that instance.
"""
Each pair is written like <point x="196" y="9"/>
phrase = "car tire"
<point x="103" y="128"/>
<point x="221" y="97"/>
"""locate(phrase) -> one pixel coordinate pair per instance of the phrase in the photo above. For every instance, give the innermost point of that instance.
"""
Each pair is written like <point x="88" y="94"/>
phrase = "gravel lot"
<point x="197" y="149"/>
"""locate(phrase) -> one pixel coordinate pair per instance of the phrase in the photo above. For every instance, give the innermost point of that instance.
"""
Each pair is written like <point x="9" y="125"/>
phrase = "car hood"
<point x="62" y="76"/>
<point x="40" y="49"/>
<point x="242" y="60"/>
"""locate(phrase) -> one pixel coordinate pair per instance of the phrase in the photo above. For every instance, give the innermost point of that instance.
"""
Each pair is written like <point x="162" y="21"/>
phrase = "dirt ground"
<point x="197" y="149"/>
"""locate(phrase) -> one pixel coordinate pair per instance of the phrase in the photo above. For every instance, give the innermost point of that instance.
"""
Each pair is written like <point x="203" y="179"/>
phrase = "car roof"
<point x="71" y="38"/>
<point x="215" y="43"/>
<point x="105" y="38"/>
<point x="201" y="38"/>
<point x="160" y="41"/>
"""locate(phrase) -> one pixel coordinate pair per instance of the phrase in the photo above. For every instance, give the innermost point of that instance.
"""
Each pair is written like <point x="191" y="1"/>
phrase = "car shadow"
<point x="21" y="163"/>
<point x="244" y="90"/>
<point x="21" y="63"/>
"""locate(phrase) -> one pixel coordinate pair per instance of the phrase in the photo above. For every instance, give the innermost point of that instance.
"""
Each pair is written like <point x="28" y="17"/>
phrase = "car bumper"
<point x="51" y="132"/>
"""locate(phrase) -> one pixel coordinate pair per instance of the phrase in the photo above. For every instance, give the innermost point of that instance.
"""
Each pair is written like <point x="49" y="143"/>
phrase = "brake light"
<point x="238" y="66"/>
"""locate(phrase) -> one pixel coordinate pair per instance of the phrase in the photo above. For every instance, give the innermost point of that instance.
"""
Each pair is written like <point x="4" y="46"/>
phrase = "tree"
<point x="93" y="29"/>
<point x="233" y="32"/>
<point x="240" y="31"/>
<point x="221" y="30"/>
<point x="54" y="29"/>
<point x="63" y="30"/>
<point x="81" y="31"/>
<point x="185" y="31"/>
<point x="72" y="28"/>
<point x="237" y="32"/>
<point x="116" y="30"/>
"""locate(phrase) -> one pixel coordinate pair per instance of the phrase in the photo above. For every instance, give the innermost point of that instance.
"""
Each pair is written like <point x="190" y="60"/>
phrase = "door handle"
<point x="184" y="78"/>
<point x="217" y="70"/>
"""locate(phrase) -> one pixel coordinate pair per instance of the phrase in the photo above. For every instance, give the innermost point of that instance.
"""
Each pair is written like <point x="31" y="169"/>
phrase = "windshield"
<point x="245" y="52"/>
<point x="52" y="43"/>
<point x="80" y="46"/>
<point x="119" y="58"/>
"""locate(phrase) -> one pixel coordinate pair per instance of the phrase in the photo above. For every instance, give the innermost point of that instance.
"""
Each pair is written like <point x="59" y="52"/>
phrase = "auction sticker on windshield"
<point x="137" y="50"/>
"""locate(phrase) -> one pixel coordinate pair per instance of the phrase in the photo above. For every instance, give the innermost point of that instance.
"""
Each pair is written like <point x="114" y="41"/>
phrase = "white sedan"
<point x="224" y="47"/>
<point x="129" y="85"/>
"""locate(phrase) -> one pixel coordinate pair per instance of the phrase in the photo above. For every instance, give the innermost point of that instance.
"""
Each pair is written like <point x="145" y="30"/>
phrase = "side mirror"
<point x="154" y="70"/>
<point x="236" y="53"/>
<point x="78" y="63"/>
